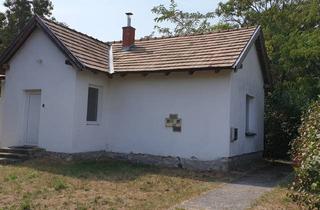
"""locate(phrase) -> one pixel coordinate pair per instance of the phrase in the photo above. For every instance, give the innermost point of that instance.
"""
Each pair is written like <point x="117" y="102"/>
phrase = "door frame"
<point x="27" y="94"/>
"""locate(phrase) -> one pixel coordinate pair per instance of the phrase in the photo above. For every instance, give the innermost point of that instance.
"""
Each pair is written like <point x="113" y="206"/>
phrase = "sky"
<point x="103" y="19"/>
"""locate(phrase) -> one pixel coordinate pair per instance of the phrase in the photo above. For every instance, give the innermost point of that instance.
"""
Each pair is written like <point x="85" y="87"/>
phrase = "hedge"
<point x="306" y="156"/>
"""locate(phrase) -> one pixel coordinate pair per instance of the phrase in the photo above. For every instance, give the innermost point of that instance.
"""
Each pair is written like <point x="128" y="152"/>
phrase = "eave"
<point x="256" y="39"/>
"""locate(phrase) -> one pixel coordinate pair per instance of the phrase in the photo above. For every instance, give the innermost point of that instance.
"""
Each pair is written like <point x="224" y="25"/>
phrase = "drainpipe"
<point x="110" y="57"/>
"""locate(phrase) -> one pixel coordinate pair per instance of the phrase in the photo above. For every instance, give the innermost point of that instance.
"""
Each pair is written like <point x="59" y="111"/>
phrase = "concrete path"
<point x="240" y="194"/>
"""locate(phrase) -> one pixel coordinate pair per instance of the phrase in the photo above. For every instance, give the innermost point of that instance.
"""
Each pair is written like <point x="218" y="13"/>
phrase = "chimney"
<point x="128" y="35"/>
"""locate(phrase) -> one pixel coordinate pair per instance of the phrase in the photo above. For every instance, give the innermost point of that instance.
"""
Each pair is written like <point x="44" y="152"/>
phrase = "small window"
<point x="249" y="115"/>
<point x="93" y="100"/>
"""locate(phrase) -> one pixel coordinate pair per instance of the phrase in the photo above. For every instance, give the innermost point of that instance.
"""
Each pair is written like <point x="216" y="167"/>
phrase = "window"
<point x="249" y="115"/>
<point x="1" y="84"/>
<point x="93" y="102"/>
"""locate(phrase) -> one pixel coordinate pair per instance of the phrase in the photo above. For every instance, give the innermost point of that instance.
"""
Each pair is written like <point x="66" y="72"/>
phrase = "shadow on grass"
<point x="273" y="175"/>
<point x="122" y="171"/>
<point x="119" y="171"/>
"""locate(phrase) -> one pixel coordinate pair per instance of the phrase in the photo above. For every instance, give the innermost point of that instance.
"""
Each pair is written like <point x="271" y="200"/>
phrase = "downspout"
<point x="110" y="57"/>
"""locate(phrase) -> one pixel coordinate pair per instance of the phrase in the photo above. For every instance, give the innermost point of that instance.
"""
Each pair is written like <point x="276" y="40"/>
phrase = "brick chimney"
<point x="128" y="35"/>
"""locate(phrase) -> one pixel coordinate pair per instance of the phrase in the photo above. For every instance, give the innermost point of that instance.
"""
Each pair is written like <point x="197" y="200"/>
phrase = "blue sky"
<point x="103" y="19"/>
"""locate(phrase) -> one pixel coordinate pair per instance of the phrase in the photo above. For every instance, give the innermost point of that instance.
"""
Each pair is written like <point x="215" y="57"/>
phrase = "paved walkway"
<point x="240" y="194"/>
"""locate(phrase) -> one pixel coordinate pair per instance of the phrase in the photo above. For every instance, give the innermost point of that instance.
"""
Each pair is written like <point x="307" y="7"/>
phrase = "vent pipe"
<point x="110" y="59"/>
<point x="129" y="14"/>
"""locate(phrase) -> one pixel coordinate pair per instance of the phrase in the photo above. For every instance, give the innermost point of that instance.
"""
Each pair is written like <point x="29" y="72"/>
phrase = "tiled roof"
<point x="217" y="49"/>
<point x="209" y="50"/>
<point x="91" y="52"/>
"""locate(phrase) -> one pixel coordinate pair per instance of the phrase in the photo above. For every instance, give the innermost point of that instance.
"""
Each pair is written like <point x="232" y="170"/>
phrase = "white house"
<point x="193" y="97"/>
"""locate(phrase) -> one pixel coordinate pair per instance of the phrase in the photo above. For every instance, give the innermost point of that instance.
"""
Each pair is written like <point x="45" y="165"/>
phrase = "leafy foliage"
<point x="306" y="154"/>
<point x="284" y="106"/>
<point x="17" y="14"/>
<point x="184" y="22"/>
<point x="291" y="29"/>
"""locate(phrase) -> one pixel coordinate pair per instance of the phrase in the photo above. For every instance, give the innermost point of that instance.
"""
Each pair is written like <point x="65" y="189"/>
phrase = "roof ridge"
<point x="149" y="38"/>
<point x="71" y="29"/>
<point x="190" y="35"/>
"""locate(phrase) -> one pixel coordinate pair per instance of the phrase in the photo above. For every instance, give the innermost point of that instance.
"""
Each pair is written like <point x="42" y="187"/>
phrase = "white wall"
<point x="139" y="106"/>
<point x="133" y="108"/>
<point x="248" y="80"/>
<point x="2" y="83"/>
<point x="91" y="137"/>
<point x="57" y="83"/>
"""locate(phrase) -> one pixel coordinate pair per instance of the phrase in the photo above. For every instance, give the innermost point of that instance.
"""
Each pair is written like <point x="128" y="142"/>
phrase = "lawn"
<point x="43" y="184"/>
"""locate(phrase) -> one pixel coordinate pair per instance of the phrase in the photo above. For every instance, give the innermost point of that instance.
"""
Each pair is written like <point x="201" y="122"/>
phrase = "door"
<point x="33" y="117"/>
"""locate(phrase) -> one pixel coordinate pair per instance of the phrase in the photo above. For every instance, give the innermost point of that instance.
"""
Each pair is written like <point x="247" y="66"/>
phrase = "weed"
<point x="59" y="184"/>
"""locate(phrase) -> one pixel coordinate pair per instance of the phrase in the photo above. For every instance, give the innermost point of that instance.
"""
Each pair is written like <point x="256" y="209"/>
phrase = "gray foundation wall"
<point x="223" y="164"/>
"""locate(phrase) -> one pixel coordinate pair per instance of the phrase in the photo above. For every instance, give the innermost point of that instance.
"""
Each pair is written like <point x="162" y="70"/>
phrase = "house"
<point x="196" y="97"/>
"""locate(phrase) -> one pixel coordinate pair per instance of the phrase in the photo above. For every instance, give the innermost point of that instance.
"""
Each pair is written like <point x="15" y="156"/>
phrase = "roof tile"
<point x="208" y="50"/>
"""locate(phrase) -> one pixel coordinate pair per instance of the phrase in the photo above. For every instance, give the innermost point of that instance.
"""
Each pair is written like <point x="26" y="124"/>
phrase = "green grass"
<point x="52" y="184"/>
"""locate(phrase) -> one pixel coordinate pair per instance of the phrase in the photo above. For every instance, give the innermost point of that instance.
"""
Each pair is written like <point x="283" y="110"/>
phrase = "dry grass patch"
<point x="277" y="199"/>
<point x="43" y="184"/>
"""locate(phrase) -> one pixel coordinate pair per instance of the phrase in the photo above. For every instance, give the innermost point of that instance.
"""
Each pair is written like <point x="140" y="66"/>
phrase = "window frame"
<point x="2" y="83"/>
<point x="99" y="105"/>
<point x="249" y="131"/>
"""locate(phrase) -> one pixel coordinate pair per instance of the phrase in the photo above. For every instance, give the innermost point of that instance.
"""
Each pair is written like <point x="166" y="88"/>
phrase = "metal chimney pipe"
<point x="129" y="14"/>
<point x="128" y="34"/>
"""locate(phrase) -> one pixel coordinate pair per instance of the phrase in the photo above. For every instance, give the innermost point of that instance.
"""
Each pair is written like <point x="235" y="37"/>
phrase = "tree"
<point x="290" y="26"/>
<point x="17" y="14"/>
<point x="184" y="22"/>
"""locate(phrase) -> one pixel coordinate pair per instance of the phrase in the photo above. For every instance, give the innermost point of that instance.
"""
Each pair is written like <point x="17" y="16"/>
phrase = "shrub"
<point x="285" y="104"/>
<point x="306" y="156"/>
<point x="59" y="184"/>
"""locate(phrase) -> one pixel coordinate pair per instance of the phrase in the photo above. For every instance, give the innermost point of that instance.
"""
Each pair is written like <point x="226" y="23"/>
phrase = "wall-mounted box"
<point x="233" y="134"/>
<point x="174" y="122"/>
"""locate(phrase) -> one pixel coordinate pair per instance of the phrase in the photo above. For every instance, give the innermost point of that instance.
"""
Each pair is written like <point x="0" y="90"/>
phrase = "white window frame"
<point x="249" y="131"/>
<point x="2" y="83"/>
<point x="0" y="88"/>
<point x="99" y="108"/>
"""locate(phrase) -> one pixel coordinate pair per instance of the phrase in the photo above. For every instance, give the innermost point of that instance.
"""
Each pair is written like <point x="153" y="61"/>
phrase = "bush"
<point x="59" y="184"/>
<point x="285" y="104"/>
<point x="306" y="156"/>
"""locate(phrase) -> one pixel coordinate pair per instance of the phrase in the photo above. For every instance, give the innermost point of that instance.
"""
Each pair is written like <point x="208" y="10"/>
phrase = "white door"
<point x="33" y="117"/>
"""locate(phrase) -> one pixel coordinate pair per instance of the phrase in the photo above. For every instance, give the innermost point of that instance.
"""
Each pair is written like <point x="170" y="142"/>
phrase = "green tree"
<point x="17" y="14"/>
<point x="291" y="28"/>
<point x="184" y="22"/>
